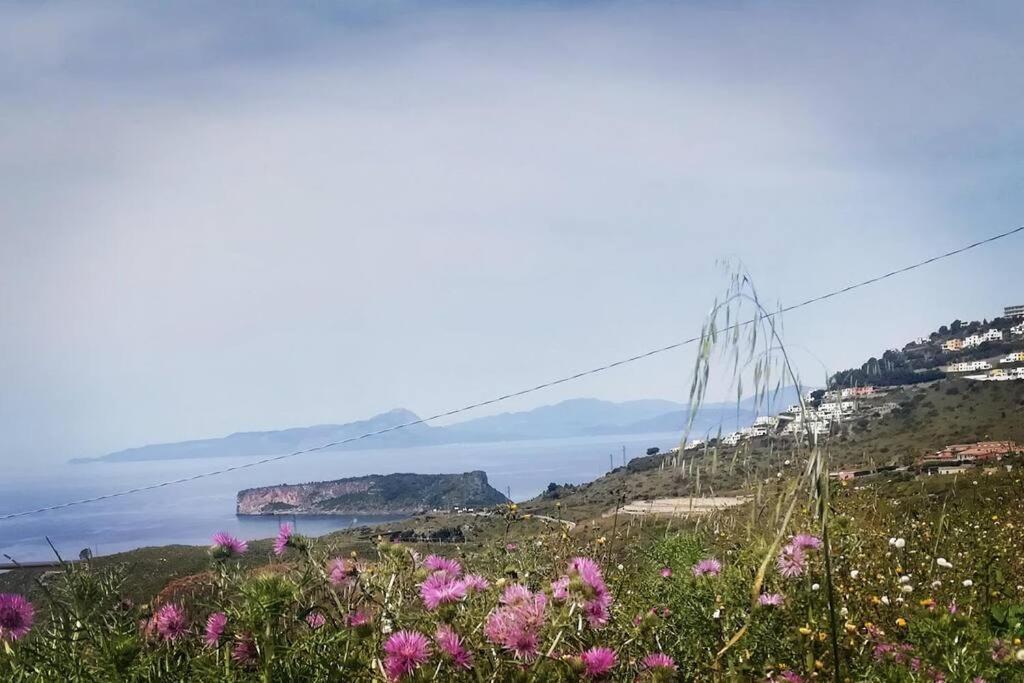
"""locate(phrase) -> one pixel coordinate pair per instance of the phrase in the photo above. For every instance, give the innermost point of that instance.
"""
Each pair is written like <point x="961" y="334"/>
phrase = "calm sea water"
<point x="189" y="513"/>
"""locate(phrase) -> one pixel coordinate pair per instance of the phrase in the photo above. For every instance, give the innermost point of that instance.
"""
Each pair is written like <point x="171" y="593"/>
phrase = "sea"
<point x="191" y="512"/>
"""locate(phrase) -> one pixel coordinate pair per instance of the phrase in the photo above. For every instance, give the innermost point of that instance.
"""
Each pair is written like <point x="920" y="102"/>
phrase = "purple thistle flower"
<point x="284" y="537"/>
<point x="806" y="542"/>
<point x="598" y="661"/>
<point x="227" y="545"/>
<point x="436" y="563"/>
<point x="515" y="626"/>
<point x="441" y="588"/>
<point x="657" y="660"/>
<point x="475" y="582"/>
<point x="406" y="651"/>
<point x="215" y="624"/>
<point x="666" y="572"/>
<point x="244" y="651"/>
<point x="170" y="622"/>
<point x="771" y="600"/>
<point x="791" y="677"/>
<point x="16" y="616"/>
<point x="560" y="589"/>
<point x="709" y="567"/>
<point x="596" y="611"/>
<point x="451" y="644"/>
<point x="315" y="620"/>
<point x="357" y="619"/>
<point x="792" y="562"/>
<point x="515" y="594"/>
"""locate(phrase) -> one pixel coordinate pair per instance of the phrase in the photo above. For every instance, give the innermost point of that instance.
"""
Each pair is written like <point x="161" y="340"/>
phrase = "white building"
<point x="1017" y="329"/>
<point x="1017" y="357"/>
<point x="972" y="341"/>
<point x="1013" y="312"/>
<point x="766" y="421"/>
<point x="970" y="366"/>
<point x="731" y="439"/>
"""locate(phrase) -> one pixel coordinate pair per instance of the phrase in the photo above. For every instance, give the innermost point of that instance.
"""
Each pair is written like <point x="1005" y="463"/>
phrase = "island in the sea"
<point x="374" y="494"/>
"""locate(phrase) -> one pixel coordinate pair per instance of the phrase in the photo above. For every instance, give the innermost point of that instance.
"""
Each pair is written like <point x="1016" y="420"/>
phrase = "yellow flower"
<point x="901" y="622"/>
<point x="601" y="541"/>
<point x="851" y="628"/>
<point x="804" y="631"/>
<point x="818" y="664"/>
<point x="875" y="600"/>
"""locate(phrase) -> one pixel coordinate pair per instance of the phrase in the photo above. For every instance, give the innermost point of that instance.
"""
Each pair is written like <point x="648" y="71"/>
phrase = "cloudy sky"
<point x="230" y="216"/>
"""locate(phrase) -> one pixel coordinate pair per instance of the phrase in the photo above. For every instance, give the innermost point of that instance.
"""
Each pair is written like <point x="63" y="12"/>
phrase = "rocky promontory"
<point x="374" y="494"/>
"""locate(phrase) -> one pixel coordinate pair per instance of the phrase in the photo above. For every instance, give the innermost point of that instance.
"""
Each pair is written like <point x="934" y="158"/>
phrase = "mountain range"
<point x="572" y="418"/>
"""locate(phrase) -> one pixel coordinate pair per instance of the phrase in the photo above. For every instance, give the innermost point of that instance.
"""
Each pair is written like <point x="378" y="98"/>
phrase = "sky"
<point x="220" y="217"/>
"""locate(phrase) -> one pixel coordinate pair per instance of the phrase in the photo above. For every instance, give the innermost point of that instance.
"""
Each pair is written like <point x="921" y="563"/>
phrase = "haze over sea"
<point x="190" y="513"/>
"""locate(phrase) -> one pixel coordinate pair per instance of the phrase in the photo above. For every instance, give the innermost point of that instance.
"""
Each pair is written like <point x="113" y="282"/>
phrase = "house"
<point x="957" y="457"/>
<point x="972" y="341"/>
<point x="1013" y="312"/>
<point x="1017" y="357"/>
<point x="953" y="345"/>
<point x="857" y="392"/>
<point x="1017" y="329"/>
<point x="731" y="439"/>
<point x="992" y="335"/>
<point x="970" y="366"/>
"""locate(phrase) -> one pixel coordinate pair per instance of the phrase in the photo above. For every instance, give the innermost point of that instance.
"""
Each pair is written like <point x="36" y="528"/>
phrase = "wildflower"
<point x="475" y="582"/>
<point x="226" y="545"/>
<point x="901" y="622"/>
<point x="771" y="600"/>
<point x="341" y="572"/>
<point x="244" y="651"/>
<point x="436" y="563"/>
<point x="791" y="677"/>
<point x="944" y="563"/>
<point x="900" y="543"/>
<point x="588" y="572"/>
<point x="170" y="622"/>
<point x="854" y="574"/>
<point x="515" y="594"/>
<point x="709" y="567"/>
<point x="967" y="583"/>
<point x="357" y="619"/>
<point x="406" y="651"/>
<point x="16" y="616"/>
<point x="283" y="540"/>
<point x="792" y="562"/>
<point x="560" y="589"/>
<point x="441" y="588"/>
<point x="511" y="547"/>
<point x="596" y="611"/>
<point x="657" y="661"/>
<point x="666" y="572"/>
<point x="516" y="624"/>
<point x="215" y="624"/>
<point x="815" y="586"/>
<point x="315" y="620"/>
<point x="598" y="661"/>
<point x="451" y="644"/>
<point x="806" y="542"/>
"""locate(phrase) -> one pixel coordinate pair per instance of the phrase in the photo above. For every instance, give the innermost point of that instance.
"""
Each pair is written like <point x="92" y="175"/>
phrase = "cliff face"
<point x="374" y="494"/>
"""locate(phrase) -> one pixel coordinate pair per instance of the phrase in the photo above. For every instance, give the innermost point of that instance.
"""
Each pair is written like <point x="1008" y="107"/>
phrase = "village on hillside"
<point x="977" y="351"/>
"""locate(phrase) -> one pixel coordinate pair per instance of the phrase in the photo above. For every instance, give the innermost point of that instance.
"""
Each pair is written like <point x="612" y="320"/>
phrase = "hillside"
<point x="374" y="494"/>
<point x="929" y="417"/>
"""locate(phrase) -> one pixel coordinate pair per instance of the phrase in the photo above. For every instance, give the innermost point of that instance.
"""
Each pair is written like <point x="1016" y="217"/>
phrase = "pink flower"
<point x="515" y="625"/>
<point x="341" y="572"/>
<point x="170" y="622"/>
<point x="806" y="542"/>
<point x="666" y="572"/>
<point x="451" y="644"/>
<point x="596" y="610"/>
<point x="16" y="616"/>
<point x="283" y="540"/>
<point x="588" y="571"/>
<point x="315" y="620"/>
<point x="598" y="661"/>
<point x="215" y="624"/>
<point x="406" y="651"/>
<point x="244" y="651"/>
<point x="560" y="589"/>
<point x="226" y="545"/>
<point x="436" y="563"/>
<point x="791" y="677"/>
<point x="475" y="582"/>
<point x="792" y="562"/>
<point x="658" y="661"/>
<point x="511" y="547"/>
<point x="771" y="600"/>
<point x="709" y="567"/>
<point x="357" y="619"/>
<point x="514" y="594"/>
<point x="441" y="588"/>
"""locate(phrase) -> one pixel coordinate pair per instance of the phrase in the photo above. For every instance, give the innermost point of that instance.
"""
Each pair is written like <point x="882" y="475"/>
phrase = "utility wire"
<point x="504" y="397"/>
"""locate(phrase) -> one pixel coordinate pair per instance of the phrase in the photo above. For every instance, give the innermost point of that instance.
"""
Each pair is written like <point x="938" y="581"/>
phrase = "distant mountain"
<point x="572" y="418"/>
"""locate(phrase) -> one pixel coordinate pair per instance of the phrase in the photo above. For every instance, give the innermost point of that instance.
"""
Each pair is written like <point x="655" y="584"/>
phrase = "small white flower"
<point x="885" y="600"/>
<point x="892" y="541"/>
<point x="854" y="574"/>
<point x="936" y="584"/>
<point x="968" y="583"/>
<point x="844" y="612"/>
<point x="906" y="588"/>
<point x="944" y="563"/>
<point x="1019" y="655"/>
<point x="619" y="567"/>
<point x="815" y="586"/>
<point x="717" y="614"/>
<point x="904" y="579"/>
<point x="900" y="543"/>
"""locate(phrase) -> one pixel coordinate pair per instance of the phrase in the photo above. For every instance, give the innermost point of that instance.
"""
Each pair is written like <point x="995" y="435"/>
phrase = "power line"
<point x="503" y="397"/>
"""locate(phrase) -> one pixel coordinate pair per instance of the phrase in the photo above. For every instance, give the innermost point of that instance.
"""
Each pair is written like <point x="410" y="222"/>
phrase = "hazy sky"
<point x="230" y="216"/>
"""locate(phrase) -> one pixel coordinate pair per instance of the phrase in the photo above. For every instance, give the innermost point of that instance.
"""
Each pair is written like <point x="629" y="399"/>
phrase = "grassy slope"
<point x="944" y="412"/>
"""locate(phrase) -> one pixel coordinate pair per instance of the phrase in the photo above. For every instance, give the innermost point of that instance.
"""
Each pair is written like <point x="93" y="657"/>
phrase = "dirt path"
<point x="679" y="507"/>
